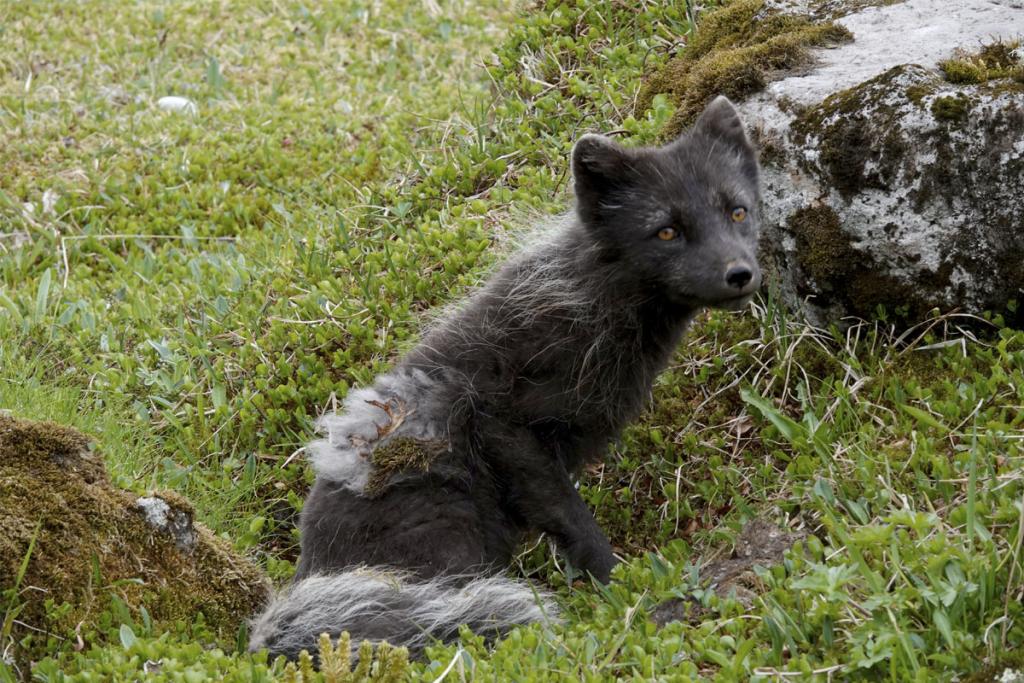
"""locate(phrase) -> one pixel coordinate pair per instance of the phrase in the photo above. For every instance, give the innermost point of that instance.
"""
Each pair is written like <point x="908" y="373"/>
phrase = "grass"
<point x="194" y="289"/>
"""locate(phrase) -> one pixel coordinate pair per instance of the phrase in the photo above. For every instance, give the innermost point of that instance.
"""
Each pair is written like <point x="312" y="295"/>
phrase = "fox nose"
<point x="739" y="275"/>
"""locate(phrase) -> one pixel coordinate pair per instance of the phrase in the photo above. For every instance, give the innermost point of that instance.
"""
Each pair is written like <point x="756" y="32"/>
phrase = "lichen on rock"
<point x="923" y="185"/>
<point x="893" y="164"/>
<point x="76" y="541"/>
<point x="174" y="521"/>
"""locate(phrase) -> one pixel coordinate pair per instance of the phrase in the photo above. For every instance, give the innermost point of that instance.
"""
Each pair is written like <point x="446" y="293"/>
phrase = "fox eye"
<point x="739" y="214"/>
<point x="667" y="234"/>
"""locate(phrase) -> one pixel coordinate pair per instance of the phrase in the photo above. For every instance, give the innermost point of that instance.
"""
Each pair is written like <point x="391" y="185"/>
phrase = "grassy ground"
<point x="194" y="288"/>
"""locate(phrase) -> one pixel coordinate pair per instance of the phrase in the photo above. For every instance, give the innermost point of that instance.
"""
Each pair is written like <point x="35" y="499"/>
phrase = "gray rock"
<point x="886" y="184"/>
<point x="760" y="544"/>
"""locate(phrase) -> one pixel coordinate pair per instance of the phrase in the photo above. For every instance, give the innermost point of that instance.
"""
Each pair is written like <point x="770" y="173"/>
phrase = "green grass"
<point x="27" y="390"/>
<point x="195" y="289"/>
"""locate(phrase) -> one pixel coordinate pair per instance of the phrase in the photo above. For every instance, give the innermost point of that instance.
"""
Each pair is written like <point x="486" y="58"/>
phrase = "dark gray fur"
<point x="526" y="382"/>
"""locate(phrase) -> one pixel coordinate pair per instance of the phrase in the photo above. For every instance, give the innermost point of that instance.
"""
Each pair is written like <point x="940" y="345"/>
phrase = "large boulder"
<point x="893" y="161"/>
<point x="72" y="546"/>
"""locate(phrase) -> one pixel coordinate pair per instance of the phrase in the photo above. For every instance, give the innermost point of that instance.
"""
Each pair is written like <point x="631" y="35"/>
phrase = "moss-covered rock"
<point x="908" y="200"/>
<point x="893" y="164"/>
<point x="71" y="544"/>
<point x="737" y="49"/>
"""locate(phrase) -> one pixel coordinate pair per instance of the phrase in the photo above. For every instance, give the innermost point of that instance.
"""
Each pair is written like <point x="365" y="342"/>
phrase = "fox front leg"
<point x="542" y="493"/>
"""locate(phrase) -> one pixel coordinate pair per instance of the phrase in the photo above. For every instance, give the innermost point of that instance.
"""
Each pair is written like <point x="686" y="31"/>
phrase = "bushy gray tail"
<point x="377" y="605"/>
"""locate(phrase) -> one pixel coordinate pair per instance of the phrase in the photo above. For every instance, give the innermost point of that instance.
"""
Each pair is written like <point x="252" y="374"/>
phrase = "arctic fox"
<point x="428" y="479"/>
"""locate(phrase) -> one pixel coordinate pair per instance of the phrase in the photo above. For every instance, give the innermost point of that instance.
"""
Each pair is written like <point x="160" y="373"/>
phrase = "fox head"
<point x="684" y="217"/>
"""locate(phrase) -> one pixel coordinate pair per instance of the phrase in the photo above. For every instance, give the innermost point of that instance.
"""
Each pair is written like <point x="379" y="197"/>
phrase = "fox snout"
<point x="736" y="283"/>
<point x="743" y="277"/>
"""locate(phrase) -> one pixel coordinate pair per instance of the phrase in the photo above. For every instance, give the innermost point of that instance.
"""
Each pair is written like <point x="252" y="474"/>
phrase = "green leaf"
<point x="13" y="608"/>
<point x="11" y="307"/>
<point x="788" y="427"/>
<point x="256" y="524"/>
<point x="857" y="510"/>
<point x="823" y="490"/>
<point x="219" y="395"/>
<point x="127" y="636"/>
<point x="923" y="416"/>
<point x="214" y="76"/>
<point x="942" y="623"/>
<point x="43" y="294"/>
<point x="741" y="655"/>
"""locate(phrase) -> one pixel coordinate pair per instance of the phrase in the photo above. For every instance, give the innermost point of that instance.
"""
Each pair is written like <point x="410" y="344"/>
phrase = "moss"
<point x="39" y="446"/>
<point x="821" y="242"/>
<point x="735" y="52"/>
<point x="999" y="59"/>
<point x="951" y="107"/>
<point x="840" y="273"/>
<point x="384" y="663"/>
<point x="89" y="541"/>
<point x="401" y="454"/>
<point x="862" y="147"/>
<point x="917" y="93"/>
<point x="994" y="672"/>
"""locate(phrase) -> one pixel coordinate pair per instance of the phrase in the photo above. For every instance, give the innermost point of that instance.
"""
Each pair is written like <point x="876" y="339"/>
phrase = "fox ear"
<point x="721" y="121"/>
<point x="720" y="125"/>
<point x="597" y="159"/>
<point x="599" y="165"/>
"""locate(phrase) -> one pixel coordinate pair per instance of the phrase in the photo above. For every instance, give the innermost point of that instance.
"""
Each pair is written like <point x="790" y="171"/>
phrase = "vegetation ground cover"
<point x="194" y="288"/>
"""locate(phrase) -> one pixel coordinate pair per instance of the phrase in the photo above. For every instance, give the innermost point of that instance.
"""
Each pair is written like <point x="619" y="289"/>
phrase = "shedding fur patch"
<point x="401" y="454"/>
<point x="376" y="605"/>
<point x="401" y="407"/>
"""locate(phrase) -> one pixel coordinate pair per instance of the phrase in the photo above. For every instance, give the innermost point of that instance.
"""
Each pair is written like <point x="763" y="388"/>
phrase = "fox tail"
<point x="377" y="605"/>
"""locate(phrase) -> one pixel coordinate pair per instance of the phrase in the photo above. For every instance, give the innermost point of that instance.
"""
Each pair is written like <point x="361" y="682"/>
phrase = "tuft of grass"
<point x="995" y="60"/>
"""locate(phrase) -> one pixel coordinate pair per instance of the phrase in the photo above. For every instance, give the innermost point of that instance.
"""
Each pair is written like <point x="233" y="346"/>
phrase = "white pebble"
<point x="174" y="103"/>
